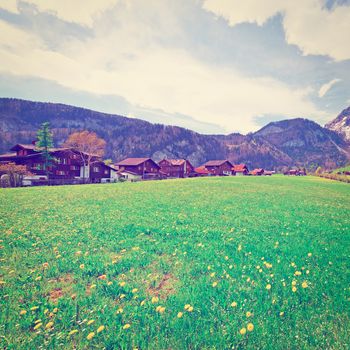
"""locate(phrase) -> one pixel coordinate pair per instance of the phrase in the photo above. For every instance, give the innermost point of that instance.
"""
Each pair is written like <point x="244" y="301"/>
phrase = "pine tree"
<point x="44" y="144"/>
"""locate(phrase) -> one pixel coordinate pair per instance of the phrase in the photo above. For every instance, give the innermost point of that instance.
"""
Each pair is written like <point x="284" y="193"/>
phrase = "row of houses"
<point x="68" y="167"/>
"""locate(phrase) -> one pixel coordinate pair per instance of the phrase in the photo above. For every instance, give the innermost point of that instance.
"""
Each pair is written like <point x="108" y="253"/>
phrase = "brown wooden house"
<point x="219" y="167"/>
<point x="101" y="172"/>
<point x="176" y="168"/>
<point x="240" y="169"/>
<point x="145" y="167"/>
<point x="257" y="172"/>
<point x="66" y="166"/>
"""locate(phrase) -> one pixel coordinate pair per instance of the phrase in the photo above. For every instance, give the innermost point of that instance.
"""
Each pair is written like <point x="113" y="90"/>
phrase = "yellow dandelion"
<point x="55" y="310"/>
<point x="90" y="322"/>
<point x="73" y="332"/>
<point x="90" y="335"/>
<point x="45" y="265"/>
<point x="297" y="273"/>
<point x="135" y="290"/>
<point x="38" y="278"/>
<point x="294" y="283"/>
<point x="155" y="300"/>
<point x="126" y="326"/>
<point x="37" y="321"/>
<point x="23" y="312"/>
<point x="209" y="267"/>
<point x="268" y="286"/>
<point x="122" y="284"/>
<point x="307" y="272"/>
<point x="143" y="302"/>
<point x="158" y="308"/>
<point x="82" y="266"/>
<point x="100" y="329"/>
<point x="38" y="325"/>
<point x="109" y="283"/>
<point x="58" y="256"/>
<point x="294" y="289"/>
<point x="34" y="308"/>
<point x="215" y="284"/>
<point x="179" y="314"/>
<point x="234" y="304"/>
<point x="243" y="331"/>
<point x="187" y="306"/>
<point x="304" y="284"/>
<point x="190" y="309"/>
<point x="212" y="274"/>
<point x="260" y="270"/>
<point x="102" y="277"/>
<point x="49" y="325"/>
<point x="281" y="313"/>
<point x="250" y="327"/>
<point x="309" y="254"/>
<point x="120" y="311"/>
<point x="162" y="310"/>
<point x="93" y="286"/>
<point x="248" y="314"/>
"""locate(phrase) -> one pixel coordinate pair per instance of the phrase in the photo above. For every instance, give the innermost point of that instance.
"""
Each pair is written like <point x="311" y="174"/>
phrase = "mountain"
<point x="286" y="143"/>
<point x="306" y="142"/>
<point x="341" y="124"/>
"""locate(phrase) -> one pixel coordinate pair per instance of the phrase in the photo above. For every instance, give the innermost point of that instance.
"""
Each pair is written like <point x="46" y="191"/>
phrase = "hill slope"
<point x="293" y="142"/>
<point x="341" y="124"/>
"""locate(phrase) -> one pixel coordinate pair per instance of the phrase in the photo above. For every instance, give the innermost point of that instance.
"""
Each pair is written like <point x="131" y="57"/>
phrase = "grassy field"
<point x="216" y="263"/>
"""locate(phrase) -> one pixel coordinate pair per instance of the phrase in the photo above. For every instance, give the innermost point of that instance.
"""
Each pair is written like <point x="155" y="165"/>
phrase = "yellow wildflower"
<point x="268" y="286"/>
<point x="248" y="314"/>
<point x="100" y="329"/>
<point x="309" y="254"/>
<point x="38" y="278"/>
<point x="179" y="314"/>
<point x="190" y="309"/>
<point x="122" y="284"/>
<point x="49" y="325"/>
<point x="243" y="331"/>
<point x="126" y="326"/>
<point x="34" y="308"/>
<point x="38" y="325"/>
<point x="294" y="289"/>
<point x="250" y="327"/>
<point x="45" y="265"/>
<point x="55" y="310"/>
<point x="109" y="283"/>
<point x="155" y="300"/>
<point x="234" y="304"/>
<point x="90" y="335"/>
<point x="90" y="322"/>
<point x="120" y="311"/>
<point x="187" y="306"/>
<point x="82" y="266"/>
<point x="304" y="284"/>
<point x="93" y="286"/>
<point x="215" y="284"/>
<point x="134" y="290"/>
<point x="73" y="332"/>
<point x="22" y="312"/>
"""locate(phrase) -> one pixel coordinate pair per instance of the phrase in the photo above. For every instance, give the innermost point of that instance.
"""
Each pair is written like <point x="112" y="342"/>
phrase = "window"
<point x="74" y="167"/>
<point x="37" y="166"/>
<point x="60" y="172"/>
<point x="95" y="169"/>
<point x="106" y="172"/>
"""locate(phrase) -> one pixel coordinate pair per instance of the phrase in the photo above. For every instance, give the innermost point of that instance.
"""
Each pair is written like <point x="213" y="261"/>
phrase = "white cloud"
<point x="307" y="24"/>
<point x="117" y="61"/>
<point x="83" y="12"/>
<point x="326" y="87"/>
<point x="9" y="5"/>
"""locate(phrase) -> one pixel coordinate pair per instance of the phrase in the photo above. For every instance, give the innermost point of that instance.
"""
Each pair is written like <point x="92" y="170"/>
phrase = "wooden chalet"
<point x="146" y="168"/>
<point x="295" y="172"/>
<point x="257" y="172"/>
<point x="66" y="166"/>
<point x="176" y="168"/>
<point x="219" y="167"/>
<point x="240" y="170"/>
<point x="200" y="172"/>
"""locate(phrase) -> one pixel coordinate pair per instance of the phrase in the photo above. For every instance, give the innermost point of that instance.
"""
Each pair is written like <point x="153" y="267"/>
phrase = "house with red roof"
<point x="176" y="168"/>
<point x="257" y="172"/>
<point x="240" y="169"/>
<point x="146" y="168"/>
<point x="219" y="167"/>
<point x="200" y="172"/>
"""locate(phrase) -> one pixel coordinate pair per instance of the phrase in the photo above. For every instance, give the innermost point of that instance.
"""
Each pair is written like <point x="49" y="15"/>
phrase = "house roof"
<point x="5" y="155"/>
<point x="258" y="170"/>
<point x="202" y="170"/>
<point x="127" y="172"/>
<point x="135" y="161"/>
<point x="216" y="162"/>
<point x="240" y="168"/>
<point x="175" y="162"/>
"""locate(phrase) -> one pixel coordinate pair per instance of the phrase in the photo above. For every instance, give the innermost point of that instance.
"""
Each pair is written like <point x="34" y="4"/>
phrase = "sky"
<point x="213" y="66"/>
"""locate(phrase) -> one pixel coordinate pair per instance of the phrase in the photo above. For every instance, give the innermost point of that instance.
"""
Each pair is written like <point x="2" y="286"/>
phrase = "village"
<point x="69" y="166"/>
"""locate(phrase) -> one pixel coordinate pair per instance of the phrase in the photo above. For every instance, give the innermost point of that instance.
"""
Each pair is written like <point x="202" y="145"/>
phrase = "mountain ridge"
<point x="292" y="142"/>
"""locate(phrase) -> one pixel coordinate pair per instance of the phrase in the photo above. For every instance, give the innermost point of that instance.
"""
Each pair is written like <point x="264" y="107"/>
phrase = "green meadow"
<point x="209" y="263"/>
